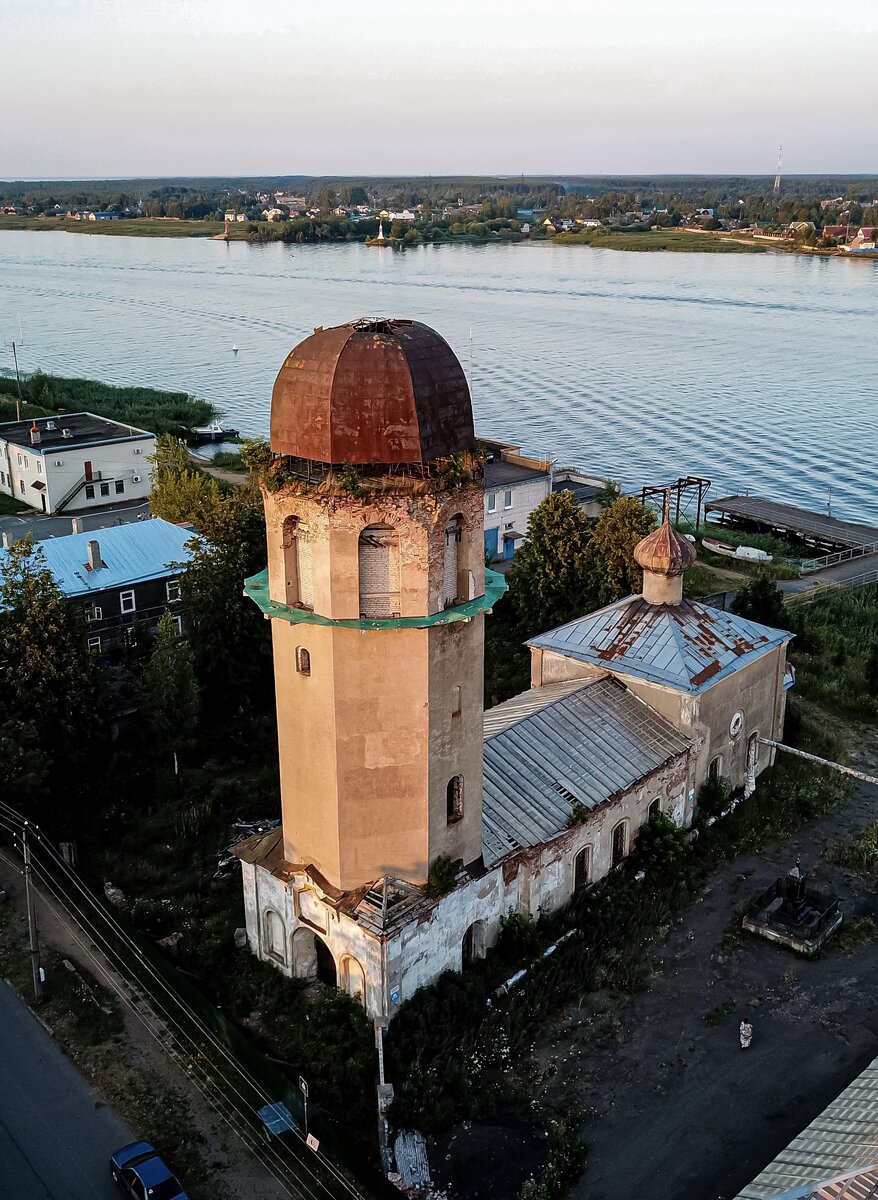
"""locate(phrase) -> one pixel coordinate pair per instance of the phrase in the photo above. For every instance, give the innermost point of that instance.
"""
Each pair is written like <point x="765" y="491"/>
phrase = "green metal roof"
<point x="256" y="587"/>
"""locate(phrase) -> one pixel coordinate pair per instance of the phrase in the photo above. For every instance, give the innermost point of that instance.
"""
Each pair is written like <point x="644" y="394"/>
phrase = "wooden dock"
<point x="770" y="516"/>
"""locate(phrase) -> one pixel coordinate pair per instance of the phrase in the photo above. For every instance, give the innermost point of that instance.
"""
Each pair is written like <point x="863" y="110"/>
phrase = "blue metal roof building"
<point x="686" y="646"/>
<point x="129" y="554"/>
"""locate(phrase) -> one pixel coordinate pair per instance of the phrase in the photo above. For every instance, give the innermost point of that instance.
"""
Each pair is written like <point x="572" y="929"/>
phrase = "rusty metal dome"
<point x="374" y="391"/>
<point x="664" y="551"/>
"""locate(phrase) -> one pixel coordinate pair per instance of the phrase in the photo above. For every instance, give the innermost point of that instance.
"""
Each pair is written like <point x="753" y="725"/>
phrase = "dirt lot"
<point x="677" y="1109"/>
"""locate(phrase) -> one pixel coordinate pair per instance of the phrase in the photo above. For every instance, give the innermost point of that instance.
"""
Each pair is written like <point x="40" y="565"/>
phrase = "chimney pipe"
<point x="76" y="524"/>
<point x="94" y="555"/>
<point x="34" y="435"/>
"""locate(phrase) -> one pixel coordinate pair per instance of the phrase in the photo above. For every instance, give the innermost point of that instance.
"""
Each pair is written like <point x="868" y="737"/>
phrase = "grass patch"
<point x="857" y="853"/>
<point x="699" y="580"/>
<point x="836" y="652"/>
<point x="679" y="241"/>
<point x="855" y="932"/>
<point x="135" y="227"/>
<point x="142" y="407"/>
<point x="227" y="460"/>
<point x="9" y="506"/>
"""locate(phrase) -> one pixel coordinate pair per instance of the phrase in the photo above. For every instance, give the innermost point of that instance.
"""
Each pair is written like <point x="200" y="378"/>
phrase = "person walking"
<point x="746" y="1032"/>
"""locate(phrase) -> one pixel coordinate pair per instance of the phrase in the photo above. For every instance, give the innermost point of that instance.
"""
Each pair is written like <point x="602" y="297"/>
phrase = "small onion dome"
<point x="664" y="551"/>
<point x="372" y="392"/>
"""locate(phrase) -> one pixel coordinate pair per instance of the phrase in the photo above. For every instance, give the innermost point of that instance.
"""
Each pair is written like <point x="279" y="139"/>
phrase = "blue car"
<point x="142" y="1175"/>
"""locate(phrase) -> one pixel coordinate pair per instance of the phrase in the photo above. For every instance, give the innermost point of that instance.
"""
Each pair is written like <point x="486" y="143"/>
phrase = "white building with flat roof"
<point x="73" y="462"/>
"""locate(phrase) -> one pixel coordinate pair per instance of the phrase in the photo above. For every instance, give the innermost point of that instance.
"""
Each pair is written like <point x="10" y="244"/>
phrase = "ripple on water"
<point x="755" y="370"/>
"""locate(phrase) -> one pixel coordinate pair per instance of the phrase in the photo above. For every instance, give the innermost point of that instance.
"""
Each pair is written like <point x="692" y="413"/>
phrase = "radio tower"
<point x="777" y="173"/>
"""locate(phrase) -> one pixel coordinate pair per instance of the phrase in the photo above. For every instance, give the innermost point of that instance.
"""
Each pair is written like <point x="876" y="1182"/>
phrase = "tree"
<point x="52" y="693"/>
<point x="230" y="640"/>
<point x="179" y="492"/>
<point x="611" y="554"/>
<point x="169" y="693"/>
<point x="761" y="600"/>
<point x="550" y="581"/>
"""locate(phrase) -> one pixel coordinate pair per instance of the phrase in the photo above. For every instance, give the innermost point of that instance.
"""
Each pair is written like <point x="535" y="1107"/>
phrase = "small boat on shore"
<point x="214" y="432"/>
<point x="748" y="553"/>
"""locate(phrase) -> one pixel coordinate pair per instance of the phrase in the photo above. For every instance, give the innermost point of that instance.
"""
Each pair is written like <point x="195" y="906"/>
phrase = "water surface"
<point x="757" y="371"/>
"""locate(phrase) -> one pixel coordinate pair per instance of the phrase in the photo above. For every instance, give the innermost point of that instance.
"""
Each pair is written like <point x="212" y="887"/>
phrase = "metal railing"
<point x="841" y="556"/>
<point x="824" y="589"/>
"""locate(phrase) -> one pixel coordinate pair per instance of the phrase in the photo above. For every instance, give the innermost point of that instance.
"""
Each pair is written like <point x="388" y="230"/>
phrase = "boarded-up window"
<point x="451" y="572"/>
<point x="378" y="555"/>
<point x="298" y="577"/>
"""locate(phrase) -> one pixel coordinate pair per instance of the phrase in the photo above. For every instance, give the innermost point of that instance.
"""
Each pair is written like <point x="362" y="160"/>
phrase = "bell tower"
<point x="376" y="591"/>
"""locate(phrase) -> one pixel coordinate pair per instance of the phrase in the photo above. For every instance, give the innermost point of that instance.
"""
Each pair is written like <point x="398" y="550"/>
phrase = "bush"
<point x="565" y="1159"/>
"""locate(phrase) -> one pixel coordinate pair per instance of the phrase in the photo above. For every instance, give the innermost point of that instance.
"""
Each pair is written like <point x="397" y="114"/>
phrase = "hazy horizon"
<point x="171" y="88"/>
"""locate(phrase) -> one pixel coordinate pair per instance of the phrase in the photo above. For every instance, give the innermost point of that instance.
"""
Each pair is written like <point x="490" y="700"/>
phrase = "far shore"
<point x="688" y="241"/>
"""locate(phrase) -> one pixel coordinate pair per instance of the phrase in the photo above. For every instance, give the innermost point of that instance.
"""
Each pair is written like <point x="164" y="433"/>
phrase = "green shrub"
<point x="565" y="1158"/>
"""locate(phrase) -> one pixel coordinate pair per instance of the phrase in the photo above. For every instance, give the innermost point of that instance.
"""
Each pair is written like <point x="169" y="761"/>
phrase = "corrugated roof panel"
<point x="581" y="744"/>
<point x="687" y="646"/>
<point x="131" y="553"/>
<point x="839" y="1145"/>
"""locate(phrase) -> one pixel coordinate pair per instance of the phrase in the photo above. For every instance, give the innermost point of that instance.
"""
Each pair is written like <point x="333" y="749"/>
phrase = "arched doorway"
<point x="326" y="971"/>
<point x="473" y="946"/>
<point x="312" y="958"/>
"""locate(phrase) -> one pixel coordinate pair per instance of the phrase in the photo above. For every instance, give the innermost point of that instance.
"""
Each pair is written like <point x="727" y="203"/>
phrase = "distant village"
<point x="528" y="210"/>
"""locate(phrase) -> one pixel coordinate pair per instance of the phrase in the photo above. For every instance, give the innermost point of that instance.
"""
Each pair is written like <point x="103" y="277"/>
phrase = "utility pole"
<point x="18" y="382"/>
<point x="31" y="916"/>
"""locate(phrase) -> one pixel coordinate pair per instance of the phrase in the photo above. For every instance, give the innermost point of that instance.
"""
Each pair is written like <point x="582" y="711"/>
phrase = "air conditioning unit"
<point x="136" y="478"/>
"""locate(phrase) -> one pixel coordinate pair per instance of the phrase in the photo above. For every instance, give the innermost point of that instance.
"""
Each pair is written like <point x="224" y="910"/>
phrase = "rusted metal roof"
<point x="372" y="391"/>
<point x="664" y="551"/>
<point x="558" y="746"/>
<point x="834" y="1157"/>
<point x="687" y="646"/>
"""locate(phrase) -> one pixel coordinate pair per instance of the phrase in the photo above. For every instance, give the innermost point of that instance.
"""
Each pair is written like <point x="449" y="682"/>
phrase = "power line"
<point x="200" y="1025"/>
<point x="116" y="987"/>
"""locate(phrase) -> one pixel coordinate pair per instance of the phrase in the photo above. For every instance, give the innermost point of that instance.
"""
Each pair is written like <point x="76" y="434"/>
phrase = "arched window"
<point x="715" y="769"/>
<point x="620" y="842"/>
<point x="275" y="938"/>
<point x="582" y="869"/>
<point x="451" y="590"/>
<point x="303" y="660"/>
<point x="298" y="577"/>
<point x="378" y="560"/>
<point x="353" y="978"/>
<point x="454" y="799"/>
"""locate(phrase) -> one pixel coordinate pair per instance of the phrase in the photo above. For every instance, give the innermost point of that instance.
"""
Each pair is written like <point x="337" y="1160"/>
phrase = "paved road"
<point x="45" y="527"/>
<point x="55" y="1134"/>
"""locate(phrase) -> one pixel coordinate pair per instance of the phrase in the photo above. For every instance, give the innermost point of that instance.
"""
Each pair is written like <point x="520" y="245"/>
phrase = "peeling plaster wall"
<point x="531" y="881"/>
<point x="368" y="740"/>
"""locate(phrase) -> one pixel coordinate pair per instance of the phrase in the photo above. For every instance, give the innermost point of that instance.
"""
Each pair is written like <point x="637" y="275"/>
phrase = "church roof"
<point x="686" y="646"/>
<point x="562" y="745"/>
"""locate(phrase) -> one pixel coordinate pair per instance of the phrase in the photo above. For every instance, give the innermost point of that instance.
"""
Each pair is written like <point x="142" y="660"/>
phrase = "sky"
<point x="99" y="88"/>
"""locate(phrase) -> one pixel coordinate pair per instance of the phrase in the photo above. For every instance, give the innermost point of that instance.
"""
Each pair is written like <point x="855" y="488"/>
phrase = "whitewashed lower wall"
<point x="531" y="882"/>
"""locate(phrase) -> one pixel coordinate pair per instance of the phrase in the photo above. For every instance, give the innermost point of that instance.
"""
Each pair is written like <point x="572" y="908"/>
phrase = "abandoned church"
<point x="376" y="589"/>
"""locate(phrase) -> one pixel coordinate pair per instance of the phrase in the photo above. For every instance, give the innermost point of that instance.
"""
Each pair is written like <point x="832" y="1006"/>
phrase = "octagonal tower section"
<point x="376" y="589"/>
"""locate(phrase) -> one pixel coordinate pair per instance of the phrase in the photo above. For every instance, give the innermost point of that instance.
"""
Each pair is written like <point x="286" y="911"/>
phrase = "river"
<point x="758" y="371"/>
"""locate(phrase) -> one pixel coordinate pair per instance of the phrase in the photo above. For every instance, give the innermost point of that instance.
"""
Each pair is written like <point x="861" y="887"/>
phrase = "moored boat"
<point x="748" y="553"/>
